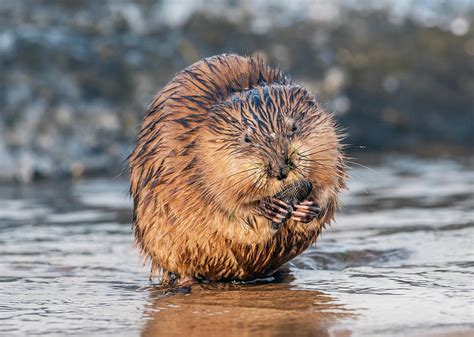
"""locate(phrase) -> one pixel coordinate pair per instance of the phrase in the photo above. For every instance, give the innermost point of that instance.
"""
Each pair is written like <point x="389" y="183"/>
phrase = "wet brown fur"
<point x="196" y="181"/>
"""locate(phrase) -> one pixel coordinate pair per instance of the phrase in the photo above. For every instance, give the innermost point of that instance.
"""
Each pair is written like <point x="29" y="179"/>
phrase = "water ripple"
<point x="398" y="259"/>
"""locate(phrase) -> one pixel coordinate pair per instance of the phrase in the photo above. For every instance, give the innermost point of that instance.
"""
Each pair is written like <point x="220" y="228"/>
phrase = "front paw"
<point x="306" y="211"/>
<point x="276" y="211"/>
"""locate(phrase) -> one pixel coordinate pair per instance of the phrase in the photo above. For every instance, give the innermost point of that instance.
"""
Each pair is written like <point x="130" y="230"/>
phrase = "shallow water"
<point x="398" y="261"/>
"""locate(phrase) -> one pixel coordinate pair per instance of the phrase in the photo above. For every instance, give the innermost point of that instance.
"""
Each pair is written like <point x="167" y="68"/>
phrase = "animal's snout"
<point x="282" y="172"/>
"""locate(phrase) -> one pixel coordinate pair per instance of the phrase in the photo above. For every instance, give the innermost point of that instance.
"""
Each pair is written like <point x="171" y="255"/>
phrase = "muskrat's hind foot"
<point x="275" y="210"/>
<point x="306" y="211"/>
<point x="172" y="280"/>
<point x="186" y="281"/>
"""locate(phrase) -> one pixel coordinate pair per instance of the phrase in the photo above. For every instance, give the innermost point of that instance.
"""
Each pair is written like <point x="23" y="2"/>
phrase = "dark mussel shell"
<point x="293" y="194"/>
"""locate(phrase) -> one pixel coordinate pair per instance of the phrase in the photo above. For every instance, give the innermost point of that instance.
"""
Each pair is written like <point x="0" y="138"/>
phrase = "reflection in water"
<point x="398" y="262"/>
<point x="242" y="310"/>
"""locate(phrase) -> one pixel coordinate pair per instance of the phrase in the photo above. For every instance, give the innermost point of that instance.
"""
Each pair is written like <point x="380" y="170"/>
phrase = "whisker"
<point x="363" y="166"/>
<point x="316" y="152"/>
<point x="321" y="145"/>
<point x="341" y="146"/>
<point x="251" y="169"/>
<point x="321" y="166"/>
<point x="297" y="169"/>
<point x="237" y="182"/>
<point x="227" y="177"/>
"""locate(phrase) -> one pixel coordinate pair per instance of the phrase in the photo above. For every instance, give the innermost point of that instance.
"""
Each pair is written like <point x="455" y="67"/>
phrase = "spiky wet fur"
<point x="195" y="178"/>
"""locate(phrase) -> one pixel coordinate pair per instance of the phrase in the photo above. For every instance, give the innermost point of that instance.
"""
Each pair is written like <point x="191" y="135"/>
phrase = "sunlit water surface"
<point x="398" y="261"/>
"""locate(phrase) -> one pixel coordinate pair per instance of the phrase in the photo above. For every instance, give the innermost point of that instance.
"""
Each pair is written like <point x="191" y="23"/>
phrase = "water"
<point x="398" y="262"/>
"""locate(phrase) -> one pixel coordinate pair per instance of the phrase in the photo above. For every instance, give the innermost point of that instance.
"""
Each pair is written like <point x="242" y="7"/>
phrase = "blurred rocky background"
<point x="76" y="76"/>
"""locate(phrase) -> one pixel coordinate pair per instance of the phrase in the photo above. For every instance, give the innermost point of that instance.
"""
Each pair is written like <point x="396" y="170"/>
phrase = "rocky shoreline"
<point x="76" y="79"/>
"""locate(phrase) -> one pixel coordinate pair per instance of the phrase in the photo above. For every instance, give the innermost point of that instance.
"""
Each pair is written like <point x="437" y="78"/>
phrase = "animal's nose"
<point x="282" y="172"/>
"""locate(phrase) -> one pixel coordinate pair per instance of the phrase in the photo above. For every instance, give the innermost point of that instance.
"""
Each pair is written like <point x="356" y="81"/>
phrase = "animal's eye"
<point x="293" y="129"/>
<point x="247" y="138"/>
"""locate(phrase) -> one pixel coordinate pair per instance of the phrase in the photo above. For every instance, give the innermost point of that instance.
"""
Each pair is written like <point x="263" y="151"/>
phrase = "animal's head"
<point x="258" y="141"/>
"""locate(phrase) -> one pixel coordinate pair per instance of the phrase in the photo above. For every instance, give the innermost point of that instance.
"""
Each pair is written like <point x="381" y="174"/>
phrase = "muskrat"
<point x="236" y="171"/>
